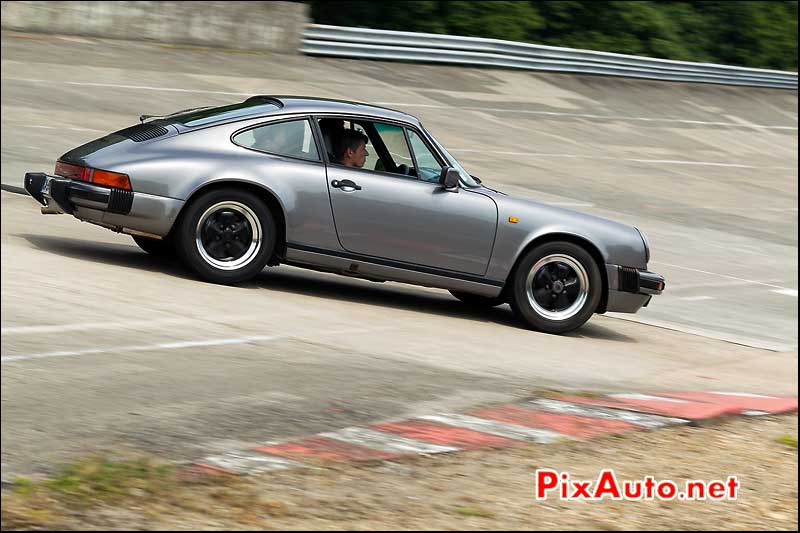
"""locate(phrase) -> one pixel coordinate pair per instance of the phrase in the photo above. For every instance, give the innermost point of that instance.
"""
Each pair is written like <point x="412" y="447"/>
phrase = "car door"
<point x="385" y="210"/>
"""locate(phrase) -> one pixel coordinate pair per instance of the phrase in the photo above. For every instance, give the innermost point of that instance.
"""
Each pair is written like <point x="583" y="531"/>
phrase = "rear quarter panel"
<point x="180" y="166"/>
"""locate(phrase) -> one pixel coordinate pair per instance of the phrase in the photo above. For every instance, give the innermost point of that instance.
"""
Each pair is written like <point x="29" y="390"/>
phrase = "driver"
<point x="350" y="148"/>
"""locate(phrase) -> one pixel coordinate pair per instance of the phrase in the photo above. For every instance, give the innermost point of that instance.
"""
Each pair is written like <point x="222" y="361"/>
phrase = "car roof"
<point x="263" y="106"/>
<point x="310" y="104"/>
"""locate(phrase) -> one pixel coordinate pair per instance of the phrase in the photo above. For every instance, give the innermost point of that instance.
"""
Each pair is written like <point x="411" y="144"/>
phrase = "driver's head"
<point x="351" y="148"/>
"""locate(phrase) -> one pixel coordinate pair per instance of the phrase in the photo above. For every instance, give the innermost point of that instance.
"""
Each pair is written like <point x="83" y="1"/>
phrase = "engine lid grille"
<point x="143" y="132"/>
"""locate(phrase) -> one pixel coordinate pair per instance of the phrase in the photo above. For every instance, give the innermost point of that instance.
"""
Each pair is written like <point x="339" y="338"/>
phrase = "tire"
<point x="477" y="300"/>
<point x="156" y="247"/>
<point x="540" y="275"/>
<point x="226" y="236"/>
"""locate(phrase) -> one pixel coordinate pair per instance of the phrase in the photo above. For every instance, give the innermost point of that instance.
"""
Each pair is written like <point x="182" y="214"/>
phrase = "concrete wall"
<point x="254" y="25"/>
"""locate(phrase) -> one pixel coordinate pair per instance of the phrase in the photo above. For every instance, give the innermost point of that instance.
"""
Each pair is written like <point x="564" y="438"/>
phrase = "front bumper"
<point x="630" y="289"/>
<point x="68" y="194"/>
<point x="116" y="209"/>
<point x="635" y="281"/>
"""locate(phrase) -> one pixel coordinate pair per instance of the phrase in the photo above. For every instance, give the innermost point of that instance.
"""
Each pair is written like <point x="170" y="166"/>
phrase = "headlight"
<point x="646" y="245"/>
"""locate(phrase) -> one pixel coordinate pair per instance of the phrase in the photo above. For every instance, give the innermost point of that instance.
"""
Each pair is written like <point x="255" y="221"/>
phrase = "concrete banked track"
<point x="105" y="347"/>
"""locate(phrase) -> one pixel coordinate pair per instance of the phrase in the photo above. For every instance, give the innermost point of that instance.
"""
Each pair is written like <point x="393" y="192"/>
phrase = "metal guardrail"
<point x="337" y="41"/>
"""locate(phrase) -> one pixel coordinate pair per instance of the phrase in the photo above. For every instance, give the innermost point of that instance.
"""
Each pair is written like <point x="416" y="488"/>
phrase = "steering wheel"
<point x="404" y="169"/>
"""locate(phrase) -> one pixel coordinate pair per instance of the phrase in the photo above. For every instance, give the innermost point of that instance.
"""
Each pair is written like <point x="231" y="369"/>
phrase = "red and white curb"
<point x="541" y="420"/>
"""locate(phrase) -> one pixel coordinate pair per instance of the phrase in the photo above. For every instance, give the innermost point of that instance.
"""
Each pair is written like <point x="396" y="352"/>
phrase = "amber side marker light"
<point x="513" y="220"/>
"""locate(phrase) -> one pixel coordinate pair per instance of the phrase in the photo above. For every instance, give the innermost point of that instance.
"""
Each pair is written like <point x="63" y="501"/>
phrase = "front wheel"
<point x="556" y="287"/>
<point x="226" y="236"/>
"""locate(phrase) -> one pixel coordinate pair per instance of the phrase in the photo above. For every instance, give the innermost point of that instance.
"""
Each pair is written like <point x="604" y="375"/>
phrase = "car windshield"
<point x="466" y="178"/>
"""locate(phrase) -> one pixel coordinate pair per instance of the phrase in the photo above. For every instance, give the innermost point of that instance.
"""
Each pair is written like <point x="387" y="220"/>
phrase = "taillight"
<point x="93" y="175"/>
<point x="73" y="172"/>
<point x="111" y="179"/>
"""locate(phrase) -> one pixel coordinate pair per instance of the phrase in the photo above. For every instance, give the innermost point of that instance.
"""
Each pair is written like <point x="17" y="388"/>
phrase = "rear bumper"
<point x="68" y="194"/>
<point x="117" y="209"/>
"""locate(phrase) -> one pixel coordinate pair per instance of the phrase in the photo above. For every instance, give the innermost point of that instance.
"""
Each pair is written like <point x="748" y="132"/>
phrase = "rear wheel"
<point x="155" y="247"/>
<point x="226" y="236"/>
<point x="556" y="287"/>
<point x="477" y="300"/>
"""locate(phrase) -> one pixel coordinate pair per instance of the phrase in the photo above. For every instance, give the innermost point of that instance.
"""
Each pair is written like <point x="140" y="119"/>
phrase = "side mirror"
<point x="450" y="178"/>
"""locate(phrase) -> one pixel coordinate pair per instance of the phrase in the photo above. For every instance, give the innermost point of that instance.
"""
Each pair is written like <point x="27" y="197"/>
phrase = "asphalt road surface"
<point x="104" y="347"/>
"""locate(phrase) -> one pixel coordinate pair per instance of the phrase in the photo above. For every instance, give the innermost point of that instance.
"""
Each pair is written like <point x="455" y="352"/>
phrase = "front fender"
<point x="615" y="243"/>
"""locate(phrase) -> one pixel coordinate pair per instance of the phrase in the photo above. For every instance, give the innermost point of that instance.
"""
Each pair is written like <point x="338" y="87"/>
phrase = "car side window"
<point x="293" y="138"/>
<point x="396" y="157"/>
<point x="428" y="167"/>
<point x="395" y="141"/>
<point x="386" y="146"/>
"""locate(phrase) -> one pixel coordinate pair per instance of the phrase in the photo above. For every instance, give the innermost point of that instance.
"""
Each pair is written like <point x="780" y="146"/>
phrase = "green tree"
<point x="753" y="34"/>
<point x="748" y="33"/>
<point x="512" y="21"/>
<point x="420" y="16"/>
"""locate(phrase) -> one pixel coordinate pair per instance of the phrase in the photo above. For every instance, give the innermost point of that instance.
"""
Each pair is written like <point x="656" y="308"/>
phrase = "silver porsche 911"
<point x="349" y="188"/>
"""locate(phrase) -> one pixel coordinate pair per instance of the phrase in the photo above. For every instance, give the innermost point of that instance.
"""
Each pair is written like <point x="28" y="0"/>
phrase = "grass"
<point x="155" y="488"/>
<point x="24" y="486"/>
<point x="788" y="440"/>
<point x="474" y="510"/>
<point x="81" y="485"/>
<point x="101" y="479"/>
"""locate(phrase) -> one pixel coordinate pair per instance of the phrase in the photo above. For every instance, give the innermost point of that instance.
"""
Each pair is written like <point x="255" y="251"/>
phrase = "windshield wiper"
<point x="142" y="118"/>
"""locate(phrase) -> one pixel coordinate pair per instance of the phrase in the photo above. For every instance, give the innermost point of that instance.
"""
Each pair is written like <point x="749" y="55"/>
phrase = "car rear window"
<point x="227" y="112"/>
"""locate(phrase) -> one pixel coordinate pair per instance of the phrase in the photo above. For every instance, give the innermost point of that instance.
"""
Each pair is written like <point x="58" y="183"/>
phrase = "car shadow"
<point x="396" y="295"/>
<point x="593" y="330"/>
<point x="310" y="283"/>
<point x="407" y="297"/>
<point x="107" y="253"/>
